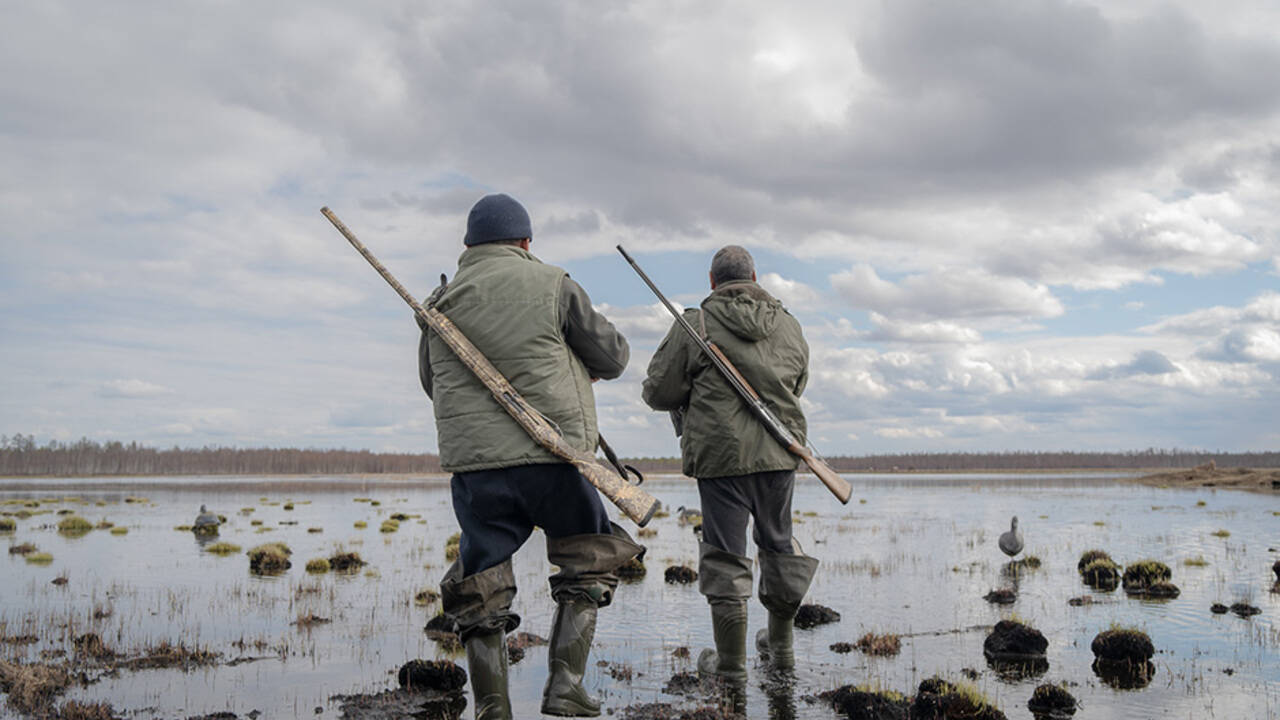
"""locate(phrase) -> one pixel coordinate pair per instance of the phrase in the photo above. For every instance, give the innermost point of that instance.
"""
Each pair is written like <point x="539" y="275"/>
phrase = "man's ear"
<point x="712" y="278"/>
<point x="524" y="244"/>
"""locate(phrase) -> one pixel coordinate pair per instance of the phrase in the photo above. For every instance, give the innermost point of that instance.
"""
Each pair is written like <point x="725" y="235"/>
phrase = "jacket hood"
<point x="745" y="309"/>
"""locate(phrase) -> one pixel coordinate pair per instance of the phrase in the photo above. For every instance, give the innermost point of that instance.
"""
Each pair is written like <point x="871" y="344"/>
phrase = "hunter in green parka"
<point x="720" y="437"/>
<point x="537" y="327"/>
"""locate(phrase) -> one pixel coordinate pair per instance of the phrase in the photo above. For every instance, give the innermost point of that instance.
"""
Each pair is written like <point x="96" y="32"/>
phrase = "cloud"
<point x="1145" y="362"/>
<point x="640" y="322"/>
<point x="794" y="294"/>
<point x="925" y="332"/>
<point x="1261" y="310"/>
<point x="958" y="293"/>
<point x="132" y="389"/>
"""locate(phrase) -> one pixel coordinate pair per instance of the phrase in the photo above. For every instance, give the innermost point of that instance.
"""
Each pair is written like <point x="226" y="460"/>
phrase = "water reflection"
<point x="779" y="687"/>
<point x="1124" y="675"/>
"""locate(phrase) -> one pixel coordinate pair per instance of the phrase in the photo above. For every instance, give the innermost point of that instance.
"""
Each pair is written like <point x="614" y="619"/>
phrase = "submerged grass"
<point x="74" y="526"/>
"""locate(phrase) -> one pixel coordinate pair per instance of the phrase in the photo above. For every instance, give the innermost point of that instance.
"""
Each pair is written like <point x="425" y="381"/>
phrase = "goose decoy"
<point x="1011" y="541"/>
<point x="206" y="519"/>
<point x="688" y="516"/>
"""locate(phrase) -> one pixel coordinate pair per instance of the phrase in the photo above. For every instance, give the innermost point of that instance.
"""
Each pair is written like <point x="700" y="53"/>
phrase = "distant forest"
<point x="20" y="455"/>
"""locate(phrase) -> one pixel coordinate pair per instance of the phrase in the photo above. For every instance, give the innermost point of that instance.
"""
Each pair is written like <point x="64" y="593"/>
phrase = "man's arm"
<point x="667" y="384"/>
<point x="602" y="349"/>
<point x="424" y="360"/>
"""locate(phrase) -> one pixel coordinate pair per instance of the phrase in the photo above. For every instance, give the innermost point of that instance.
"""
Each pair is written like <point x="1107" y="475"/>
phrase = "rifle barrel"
<point x="836" y="484"/>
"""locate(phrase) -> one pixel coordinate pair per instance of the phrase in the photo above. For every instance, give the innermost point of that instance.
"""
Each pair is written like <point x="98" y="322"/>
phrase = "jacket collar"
<point x="489" y="251"/>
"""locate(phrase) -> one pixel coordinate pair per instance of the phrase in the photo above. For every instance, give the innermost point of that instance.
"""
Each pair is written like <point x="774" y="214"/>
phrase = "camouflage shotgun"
<point x="836" y="484"/>
<point x="631" y="500"/>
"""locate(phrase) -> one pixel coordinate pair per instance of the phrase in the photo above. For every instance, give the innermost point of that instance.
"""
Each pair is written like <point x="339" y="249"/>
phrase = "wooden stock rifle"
<point x="631" y="500"/>
<point x="836" y="484"/>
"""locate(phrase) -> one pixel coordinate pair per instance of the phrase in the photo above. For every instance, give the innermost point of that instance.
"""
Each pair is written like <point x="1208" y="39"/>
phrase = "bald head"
<point x="732" y="262"/>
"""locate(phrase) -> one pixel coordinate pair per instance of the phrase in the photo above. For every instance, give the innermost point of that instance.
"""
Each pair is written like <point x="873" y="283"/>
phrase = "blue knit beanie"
<point x="497" y="217"/>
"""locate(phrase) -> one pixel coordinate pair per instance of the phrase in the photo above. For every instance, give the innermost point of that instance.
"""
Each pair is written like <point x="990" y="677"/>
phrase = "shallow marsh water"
<point x="911" y="554"/>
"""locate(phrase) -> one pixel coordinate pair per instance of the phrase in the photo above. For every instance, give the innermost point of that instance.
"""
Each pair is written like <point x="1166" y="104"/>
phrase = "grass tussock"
<point x="452" y="546"/>
<point x="120" y="530"/>
<point x="73" y="710"/>
<point x="1221" y="533"/>
<point x="1089" y="556"/>
<point x="74" y="526"/>
<point x="1197" y="561"/>
<point x="270" y="559"/>
<point x="425" y="597"/>
<point x="360" y="525"/>
<point x="167" y="655"/>
<point x="318" y="565"/>
<point x="222" y="548"/>
<point x="39" y="558"/>
<point x="1145" y="573"/>
<point x="886" y="645"/>
<point x="389" y="526"/>
<point x="31" y="687"/>
<point x="25" y="548"/>
<point x="346" y="561"/>
<point x="8" y="525"/>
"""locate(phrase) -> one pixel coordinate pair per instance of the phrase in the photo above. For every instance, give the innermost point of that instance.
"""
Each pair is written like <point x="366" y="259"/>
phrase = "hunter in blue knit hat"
<point x="497" y="217"/>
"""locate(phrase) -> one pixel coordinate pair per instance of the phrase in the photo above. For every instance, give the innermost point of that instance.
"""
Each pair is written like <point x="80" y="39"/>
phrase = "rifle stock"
<point x="631" y="500"/>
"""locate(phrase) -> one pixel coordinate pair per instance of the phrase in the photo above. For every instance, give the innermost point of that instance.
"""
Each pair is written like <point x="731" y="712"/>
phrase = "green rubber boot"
<point x="487" y="662"/>
<point x="784" y="579"/>
<point x="571" y="632"/>
<point x="725" y="580"/>
<point x="729" y="627"/>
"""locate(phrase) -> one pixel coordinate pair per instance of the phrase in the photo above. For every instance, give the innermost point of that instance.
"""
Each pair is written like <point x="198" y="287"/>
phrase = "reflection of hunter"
<point x="539" y="330"/>
<point x="742" y="472"/>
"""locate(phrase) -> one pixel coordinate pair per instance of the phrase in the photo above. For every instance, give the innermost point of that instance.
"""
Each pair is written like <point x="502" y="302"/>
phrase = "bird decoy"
<point x="688" y="516"/>
<point x="1011" y="541"/>
<point x="206" y="519"/>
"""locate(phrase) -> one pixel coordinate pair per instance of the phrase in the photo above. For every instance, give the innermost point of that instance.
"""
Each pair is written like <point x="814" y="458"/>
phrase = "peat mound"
<point x="1140" y="577"/>
<point x="858" y="703"/>
<point x="632" y="570"/>
<point x="1245" y="610"/>
<point x="439" y="675"/>
<point x="813" y="615"/>
<point x="680" y="574"/>
<point x="1011" y="640"/>
<point x="1051" y="701"/>
<point x="401" y="703"/>
<point x="937" y="699"/>
<point x="666" y="711"/>
<point x="1101" y="574"/>
<point x="1123" y="645"/>
<point x="1001" y="596"/>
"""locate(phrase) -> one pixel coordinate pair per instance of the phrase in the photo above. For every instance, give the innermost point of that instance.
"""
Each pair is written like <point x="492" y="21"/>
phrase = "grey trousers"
<point x="765" y="498"/>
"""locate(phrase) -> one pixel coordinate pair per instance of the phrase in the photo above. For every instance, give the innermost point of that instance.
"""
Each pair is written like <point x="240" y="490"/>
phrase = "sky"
<point x="1003" y="224"/>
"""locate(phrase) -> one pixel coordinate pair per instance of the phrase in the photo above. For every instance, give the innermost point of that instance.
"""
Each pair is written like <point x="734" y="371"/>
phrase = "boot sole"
<point x="576" y="711"/>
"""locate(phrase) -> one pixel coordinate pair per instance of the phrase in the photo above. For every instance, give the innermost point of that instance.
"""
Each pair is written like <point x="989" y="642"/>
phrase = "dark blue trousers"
<point x="498" y="509"/>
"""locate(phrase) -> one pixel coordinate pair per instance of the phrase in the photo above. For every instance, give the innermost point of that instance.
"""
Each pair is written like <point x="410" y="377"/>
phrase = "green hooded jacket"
<point x="538" y="328"/>
<point x="720" y="435"/>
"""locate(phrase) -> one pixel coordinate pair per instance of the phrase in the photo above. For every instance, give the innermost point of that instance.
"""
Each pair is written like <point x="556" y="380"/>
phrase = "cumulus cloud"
<point x="132" y="389"/>
<point x="793" y="293"/>
<point x="923" y="332"/>
<point x="640" y="322"/>
<point x="955" y="293"/>
<point x="1145" y="362"/>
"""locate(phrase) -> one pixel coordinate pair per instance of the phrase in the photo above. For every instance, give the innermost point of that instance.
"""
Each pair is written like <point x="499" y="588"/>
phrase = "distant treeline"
<point x="20" y="455"/>
<point x="951" y="462"/>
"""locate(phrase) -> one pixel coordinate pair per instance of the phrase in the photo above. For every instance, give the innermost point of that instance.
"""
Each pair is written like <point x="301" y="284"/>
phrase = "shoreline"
<point x="1247" y="479"/>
